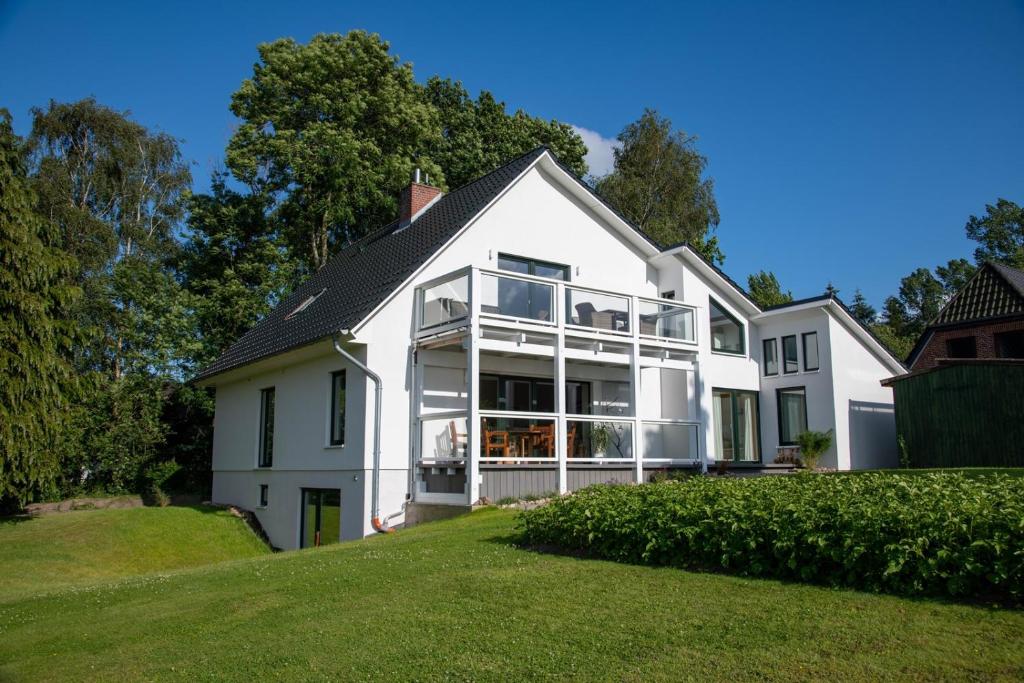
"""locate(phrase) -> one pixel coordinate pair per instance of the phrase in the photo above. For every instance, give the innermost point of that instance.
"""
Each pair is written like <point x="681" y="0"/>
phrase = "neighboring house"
<point x="522" y="337"/>
<point x="985" y="319"/>
<point x="962" y="404"/>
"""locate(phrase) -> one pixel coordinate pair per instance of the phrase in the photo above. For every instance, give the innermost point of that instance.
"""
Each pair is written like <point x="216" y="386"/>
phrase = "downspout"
<point x="378" y="391"/>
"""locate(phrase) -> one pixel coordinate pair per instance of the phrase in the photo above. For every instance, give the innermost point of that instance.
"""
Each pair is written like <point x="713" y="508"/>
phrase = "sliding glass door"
<point x="321" y="517"/>
<point x="736" y="425"/>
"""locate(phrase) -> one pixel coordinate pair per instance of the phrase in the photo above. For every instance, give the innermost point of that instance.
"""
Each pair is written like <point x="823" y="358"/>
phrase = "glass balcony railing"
<point x="667" y="441"/>
<point x="599" y="440"/>
<point x="445" y="302"/>
<point x="667" y="320"/>
<point x="596" y="310"/>
<point x="443" y="439"/>
<point x="535" y="300"/>
<point x="517" y="298"/>
<point x="503" y="439"/>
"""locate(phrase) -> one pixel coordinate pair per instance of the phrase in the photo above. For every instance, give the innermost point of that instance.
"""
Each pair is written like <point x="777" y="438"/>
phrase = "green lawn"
<point x="454" y="600"/>
<point x="77" y="548"/>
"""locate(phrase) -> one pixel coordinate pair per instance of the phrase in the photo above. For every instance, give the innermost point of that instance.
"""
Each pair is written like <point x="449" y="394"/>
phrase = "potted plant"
<point x="812" y="445"/>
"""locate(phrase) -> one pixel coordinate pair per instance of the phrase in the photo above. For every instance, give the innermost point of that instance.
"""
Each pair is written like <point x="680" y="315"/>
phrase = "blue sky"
<point x="848" y="141"/>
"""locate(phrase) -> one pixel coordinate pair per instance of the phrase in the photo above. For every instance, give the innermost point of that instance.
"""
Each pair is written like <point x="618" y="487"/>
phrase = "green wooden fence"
<point x="969" y="415"/>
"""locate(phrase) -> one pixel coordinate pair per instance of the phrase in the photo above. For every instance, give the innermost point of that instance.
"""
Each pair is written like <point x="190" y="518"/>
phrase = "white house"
<point x="518" y="336"/>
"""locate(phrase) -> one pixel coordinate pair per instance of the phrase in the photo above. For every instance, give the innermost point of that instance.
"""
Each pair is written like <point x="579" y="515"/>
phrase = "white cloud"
<point x="599" y="157"/>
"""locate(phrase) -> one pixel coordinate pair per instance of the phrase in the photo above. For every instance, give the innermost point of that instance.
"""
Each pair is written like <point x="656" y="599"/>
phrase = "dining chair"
<point x="544" y="437"/>
<point x="494" y="440"/>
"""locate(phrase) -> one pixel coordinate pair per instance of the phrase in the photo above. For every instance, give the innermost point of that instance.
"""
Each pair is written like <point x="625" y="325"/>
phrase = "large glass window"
<point x="771" y="357"/>
<point x="577" y="398"/>
<point x="528" y="266"/>
<point x="338" y="408"/>
<point x="267" y="427"/>
<point x="792" y="414"/>
<point x="810" y="341"/>
<point x="517" y="298"/>
<point x="789" y="355"/>
<point x="736" y="425"/>
<point x="531" y="395"/>
<point x="726" y="331"/>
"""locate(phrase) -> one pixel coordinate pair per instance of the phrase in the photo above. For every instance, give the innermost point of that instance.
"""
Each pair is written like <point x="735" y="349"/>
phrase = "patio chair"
<point x="571" y="442"/>
<point x="591" y="317"/>
<point x="495" y="440"/>
<point x="544" y="437"/>
<point x="459" y="441"/>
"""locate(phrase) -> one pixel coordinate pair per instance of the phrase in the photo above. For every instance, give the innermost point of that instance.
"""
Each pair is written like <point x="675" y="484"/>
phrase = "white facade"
<point x="620" y="394"/>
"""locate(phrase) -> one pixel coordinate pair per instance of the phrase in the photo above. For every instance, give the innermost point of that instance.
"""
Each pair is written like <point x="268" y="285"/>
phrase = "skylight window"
<point x="305" y="304"/>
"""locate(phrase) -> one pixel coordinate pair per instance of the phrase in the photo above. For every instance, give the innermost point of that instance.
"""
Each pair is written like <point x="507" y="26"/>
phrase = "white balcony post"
<point x="473" y="440"/>
<point x="706" y="413"/>
<point x="634" y="388"/>
<point x="561" y="430"/>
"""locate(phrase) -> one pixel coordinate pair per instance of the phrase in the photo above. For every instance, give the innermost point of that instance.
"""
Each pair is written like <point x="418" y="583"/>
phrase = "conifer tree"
<point x="36" y="378"/>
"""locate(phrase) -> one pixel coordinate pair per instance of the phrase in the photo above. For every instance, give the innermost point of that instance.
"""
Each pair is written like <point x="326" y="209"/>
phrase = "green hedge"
<point x="934" y="534"/>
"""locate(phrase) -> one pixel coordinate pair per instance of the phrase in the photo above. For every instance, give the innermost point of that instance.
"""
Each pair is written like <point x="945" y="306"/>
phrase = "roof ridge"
<point x="365" y="272"/>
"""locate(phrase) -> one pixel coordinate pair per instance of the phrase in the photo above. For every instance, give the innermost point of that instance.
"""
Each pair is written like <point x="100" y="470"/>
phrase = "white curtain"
<point x="719" y="445"/>
<point x="749" y="436"/>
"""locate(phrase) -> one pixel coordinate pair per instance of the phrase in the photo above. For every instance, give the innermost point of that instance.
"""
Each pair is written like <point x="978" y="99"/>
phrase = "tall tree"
<point x="479" y="135"/>
<point x="36" y="290"/>
<point x="115" y="194"/>
<point x="765" y="290"/>
<point x="862" y="310"/>
<point x="658" y="183"/>
<point x="332" y="130"/>
<point x="233" y="264"/>
<point x="1000" y="234"/>
<point x="922" y="295"/>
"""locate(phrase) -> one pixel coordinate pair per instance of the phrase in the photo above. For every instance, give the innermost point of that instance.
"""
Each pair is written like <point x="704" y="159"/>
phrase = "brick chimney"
<point x="414" y="197"/>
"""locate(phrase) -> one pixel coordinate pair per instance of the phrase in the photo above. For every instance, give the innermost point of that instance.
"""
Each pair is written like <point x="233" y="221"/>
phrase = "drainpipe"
<point x="378" y="389"/>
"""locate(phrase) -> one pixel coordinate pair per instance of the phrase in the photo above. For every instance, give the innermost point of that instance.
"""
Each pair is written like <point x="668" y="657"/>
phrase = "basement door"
<point x="321" y="517"/>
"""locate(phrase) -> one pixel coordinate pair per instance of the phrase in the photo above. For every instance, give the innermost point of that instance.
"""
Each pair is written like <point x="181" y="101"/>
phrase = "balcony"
<point x="529" y="303"/>
<point x="534" y="381"/>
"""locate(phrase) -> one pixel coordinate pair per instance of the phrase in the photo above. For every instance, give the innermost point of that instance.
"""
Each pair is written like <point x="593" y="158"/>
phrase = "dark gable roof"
<point x="994" y="291"/>
<point x="364" y="274"/>
<point x="1014" y="277"/>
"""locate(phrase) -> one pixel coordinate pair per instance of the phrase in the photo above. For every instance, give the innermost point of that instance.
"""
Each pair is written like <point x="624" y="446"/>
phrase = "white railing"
<point x="446" y="301"/>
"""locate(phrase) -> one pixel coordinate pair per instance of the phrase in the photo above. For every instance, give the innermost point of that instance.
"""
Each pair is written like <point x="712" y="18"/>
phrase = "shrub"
<point x="936" y="534"/>
<point x="812" y="445"/>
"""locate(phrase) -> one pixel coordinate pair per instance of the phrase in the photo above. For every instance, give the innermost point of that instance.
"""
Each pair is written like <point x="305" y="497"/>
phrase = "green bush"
<point x="812" y="445"/>
<point x="936" y="534"/>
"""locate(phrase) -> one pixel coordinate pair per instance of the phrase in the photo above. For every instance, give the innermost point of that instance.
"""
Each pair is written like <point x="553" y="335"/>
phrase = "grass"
<point x="77" y="548"/>
<point x="455" y="600"/>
